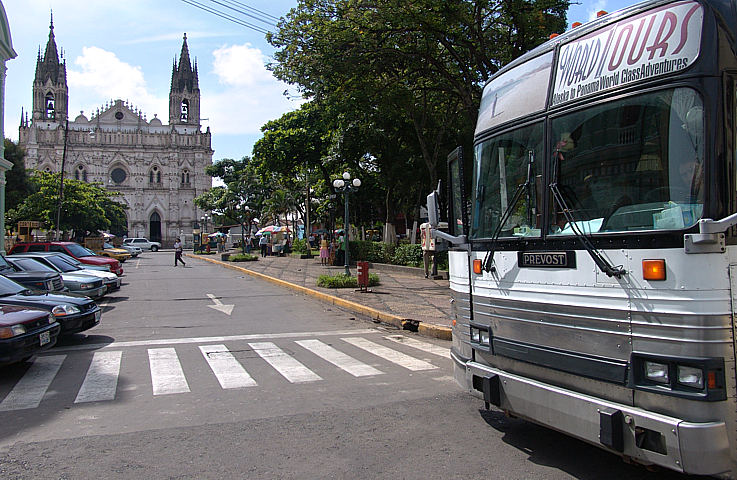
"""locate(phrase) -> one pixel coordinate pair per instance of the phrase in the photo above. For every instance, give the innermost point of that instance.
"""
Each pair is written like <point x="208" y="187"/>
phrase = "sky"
<point x="125" y="49"/>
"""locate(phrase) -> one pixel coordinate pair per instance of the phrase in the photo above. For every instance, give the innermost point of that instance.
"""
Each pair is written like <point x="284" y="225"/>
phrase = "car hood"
<point x="97" y="273"/>
<point x="46" y="301"/>
<point x="79" y="277"/>
<point x="14" y="314"/>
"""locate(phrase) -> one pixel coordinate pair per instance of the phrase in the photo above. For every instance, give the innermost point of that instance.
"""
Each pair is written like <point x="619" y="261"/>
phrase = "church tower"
<point x="50" y="92"/>
<point x="184" y="96"/>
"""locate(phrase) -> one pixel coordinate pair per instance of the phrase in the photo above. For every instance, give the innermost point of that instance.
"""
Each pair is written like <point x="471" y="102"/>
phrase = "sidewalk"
<point x="404" y="296"/>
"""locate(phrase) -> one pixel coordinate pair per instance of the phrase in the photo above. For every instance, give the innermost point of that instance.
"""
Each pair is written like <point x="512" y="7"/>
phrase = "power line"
<point x="257" y="14"/>
<point x="226" y="16"/>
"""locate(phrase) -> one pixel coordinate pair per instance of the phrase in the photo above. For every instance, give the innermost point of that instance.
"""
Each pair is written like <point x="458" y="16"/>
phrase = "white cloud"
<point x="250" y="95"/>
<point x="103" y="76"/>
<point x="596" y="7"/>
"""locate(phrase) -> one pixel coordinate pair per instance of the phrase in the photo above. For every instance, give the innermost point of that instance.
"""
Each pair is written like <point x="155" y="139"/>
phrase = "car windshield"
<point x="31" y="265"/>
<point x="9" y="287"/>
<point x="107" y="245"/>
<point x="79" y="250"/>
<point x="62" y="264"/>
<point x="66" y="258"/>
<point x="4" y="264"/>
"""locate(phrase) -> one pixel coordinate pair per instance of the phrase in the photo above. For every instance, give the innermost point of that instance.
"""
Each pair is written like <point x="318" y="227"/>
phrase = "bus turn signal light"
<point x="477" y="266"/>
<point x="653" y="269"/>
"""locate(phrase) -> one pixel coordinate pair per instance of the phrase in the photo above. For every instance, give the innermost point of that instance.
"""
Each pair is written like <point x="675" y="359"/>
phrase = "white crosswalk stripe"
<point x="424" y="346"/>
<point x="229" y="372"/>
<point x="290" y="368"/>
<point x="167" y="376"/>
<point x="30" y="390"/>
<point x="393" y="356"/>
<point x="101" y="381"/>
<point x="339" y="359"/>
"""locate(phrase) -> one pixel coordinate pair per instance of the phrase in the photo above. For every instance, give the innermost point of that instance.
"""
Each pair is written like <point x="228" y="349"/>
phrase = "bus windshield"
<point x="632" y="164"/>
<point x="502" y="166"/>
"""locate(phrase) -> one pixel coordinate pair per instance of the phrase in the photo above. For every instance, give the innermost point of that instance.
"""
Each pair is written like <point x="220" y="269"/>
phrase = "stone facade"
<point x="158" y="168"/>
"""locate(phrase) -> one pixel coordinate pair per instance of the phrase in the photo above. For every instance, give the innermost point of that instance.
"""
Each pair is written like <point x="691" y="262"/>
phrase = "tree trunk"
<point x="390" y="234"/>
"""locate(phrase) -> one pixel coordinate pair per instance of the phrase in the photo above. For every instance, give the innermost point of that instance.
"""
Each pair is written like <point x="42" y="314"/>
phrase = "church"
<point x="159" y="169"/>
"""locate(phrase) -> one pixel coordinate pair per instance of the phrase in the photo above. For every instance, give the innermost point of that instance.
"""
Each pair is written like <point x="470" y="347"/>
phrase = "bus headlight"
<point x="475" y="334"/>
<point x="481" y="335"/>
<point x="657" y="372"/>
<point x="691" y="377"/>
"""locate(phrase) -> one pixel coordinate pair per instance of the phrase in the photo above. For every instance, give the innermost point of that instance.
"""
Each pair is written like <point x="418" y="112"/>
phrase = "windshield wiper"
<point x="523" y="187"/>
<point x="600" y="261"/>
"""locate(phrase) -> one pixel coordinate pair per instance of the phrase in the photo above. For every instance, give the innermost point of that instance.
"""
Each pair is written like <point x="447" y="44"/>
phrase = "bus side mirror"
<point x="433" y="209"/>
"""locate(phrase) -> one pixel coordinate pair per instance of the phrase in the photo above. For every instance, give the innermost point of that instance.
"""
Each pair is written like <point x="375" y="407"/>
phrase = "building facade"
<point x="159" y="169"/>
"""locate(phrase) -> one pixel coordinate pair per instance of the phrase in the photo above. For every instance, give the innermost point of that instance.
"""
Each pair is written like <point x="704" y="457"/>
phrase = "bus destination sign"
<point x="565" y="259"/>
<point x="658" y="42"/>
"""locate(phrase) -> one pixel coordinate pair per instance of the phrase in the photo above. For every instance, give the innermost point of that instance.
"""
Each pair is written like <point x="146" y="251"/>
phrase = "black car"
<point x="74" y="312"/>
<point x="49" y="281"/>
<point x="24" y="332"/>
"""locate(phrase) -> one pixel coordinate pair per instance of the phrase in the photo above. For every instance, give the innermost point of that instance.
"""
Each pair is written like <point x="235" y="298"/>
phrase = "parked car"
<point x="62" y="263"/>
<point x="119" y="254"/>
<point x="73" y="249"/>
<point x="75" y="313"/>
<point x="88" y="285"/>
<point x="48" y="281"/>
<point x="132" y="249"/>
<point x="142" y="243"/>
<point x="24" y="332"/>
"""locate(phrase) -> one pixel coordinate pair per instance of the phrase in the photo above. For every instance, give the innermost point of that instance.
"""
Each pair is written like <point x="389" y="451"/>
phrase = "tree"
<point x="85" y="207"/>
<point x="17" y="187"/>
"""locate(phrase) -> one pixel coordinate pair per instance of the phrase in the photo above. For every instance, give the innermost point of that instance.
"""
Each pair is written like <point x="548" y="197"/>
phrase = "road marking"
<point x="229" y="372"/>
<point x="30" y="389"/>
<point x="339" y="359"/>
<point x="219" y="339"/>
<point x="290" y="368"/>
<point x="138" y="262"/>
<point x="393" y="356"/>
<point x="226" y="309"/>
<point x="101" y="381"/>
<point x="167" y="375"/>
<point x="424" y="346"/>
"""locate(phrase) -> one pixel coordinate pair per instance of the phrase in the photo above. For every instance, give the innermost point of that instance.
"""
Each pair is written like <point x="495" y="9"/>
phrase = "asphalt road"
<point x="203" y="373"/>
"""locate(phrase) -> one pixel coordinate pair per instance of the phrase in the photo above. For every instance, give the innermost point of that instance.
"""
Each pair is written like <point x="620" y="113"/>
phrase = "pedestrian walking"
<point x="324" y="253"/>
<point x="178" y="253"/>
<point x="263" y="242"/>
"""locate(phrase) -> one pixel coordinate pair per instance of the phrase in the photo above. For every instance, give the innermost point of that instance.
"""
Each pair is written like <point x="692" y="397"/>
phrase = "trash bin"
<point x="363" y="274"/>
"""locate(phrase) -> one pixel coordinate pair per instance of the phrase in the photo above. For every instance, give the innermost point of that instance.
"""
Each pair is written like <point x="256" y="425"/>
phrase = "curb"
<point x="425" y="329"/>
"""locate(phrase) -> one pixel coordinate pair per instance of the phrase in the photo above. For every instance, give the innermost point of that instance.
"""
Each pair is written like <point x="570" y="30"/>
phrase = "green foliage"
<point x="408" y="254"/>
<point x="300" y="245"/>
<point x="242" y="257"/>
<point x="376" y="252"/>
<point x="343" y="281"/>
<point x="17" y="187"/>
<point x="85" y="206"/>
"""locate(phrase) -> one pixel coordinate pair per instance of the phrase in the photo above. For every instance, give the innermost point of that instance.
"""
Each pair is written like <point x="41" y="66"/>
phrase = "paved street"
<point x="204" y="372"/>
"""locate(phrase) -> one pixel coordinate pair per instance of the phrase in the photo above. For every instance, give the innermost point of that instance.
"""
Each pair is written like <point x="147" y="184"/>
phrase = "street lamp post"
<point x="61" y="180"/>
<point x="346" y="186"/>
<point x="206" y="246"/>
<point x="245" y="215"/>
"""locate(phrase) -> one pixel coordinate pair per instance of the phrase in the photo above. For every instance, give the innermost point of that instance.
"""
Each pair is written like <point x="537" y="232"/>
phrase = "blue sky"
<point x="125" y="50"/>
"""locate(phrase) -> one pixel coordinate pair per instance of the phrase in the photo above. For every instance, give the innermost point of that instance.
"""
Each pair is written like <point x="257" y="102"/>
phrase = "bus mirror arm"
<point x="708" y="226"/>
<point x="459" y="240"/>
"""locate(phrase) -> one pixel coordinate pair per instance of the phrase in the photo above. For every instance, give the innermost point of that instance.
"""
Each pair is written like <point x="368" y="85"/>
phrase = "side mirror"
<point x="433" y="209"/>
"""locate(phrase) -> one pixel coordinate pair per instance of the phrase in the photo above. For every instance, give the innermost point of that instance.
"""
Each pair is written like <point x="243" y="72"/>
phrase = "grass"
<point x="343" y="281"/>
<point x="242" y="257"/>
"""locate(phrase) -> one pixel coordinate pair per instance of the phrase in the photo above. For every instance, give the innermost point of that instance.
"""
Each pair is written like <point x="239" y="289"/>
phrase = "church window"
<point x="80" y="173"/>
<point x="184" y="110"/>
<point x="47" y="169"/>
<point x="185" y="176"/>
<point x="118" y="175"/>
<point x="50" y="109"/>
<point x="154" y="175"/>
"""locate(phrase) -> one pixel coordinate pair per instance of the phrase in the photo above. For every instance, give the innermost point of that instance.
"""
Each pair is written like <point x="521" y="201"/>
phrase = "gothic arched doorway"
<point x="154" y="227"/>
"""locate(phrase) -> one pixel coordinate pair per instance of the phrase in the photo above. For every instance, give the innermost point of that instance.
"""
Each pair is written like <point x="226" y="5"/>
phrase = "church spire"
<point x="49" y="66"/>
<point x="184" y="96"/>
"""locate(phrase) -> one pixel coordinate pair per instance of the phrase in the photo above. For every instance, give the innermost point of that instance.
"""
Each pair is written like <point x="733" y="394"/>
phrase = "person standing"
<point x="178" y="253"/>
<point x="324" y="254"/>
<point x="263" y="242"/>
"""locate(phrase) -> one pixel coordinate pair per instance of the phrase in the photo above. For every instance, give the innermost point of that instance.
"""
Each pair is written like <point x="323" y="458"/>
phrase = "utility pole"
<point x="61" y="181"/>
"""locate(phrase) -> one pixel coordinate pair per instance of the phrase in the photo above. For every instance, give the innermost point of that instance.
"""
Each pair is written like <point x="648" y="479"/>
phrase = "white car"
<point x="132" y="249"/>
<point x="142" y="243"/>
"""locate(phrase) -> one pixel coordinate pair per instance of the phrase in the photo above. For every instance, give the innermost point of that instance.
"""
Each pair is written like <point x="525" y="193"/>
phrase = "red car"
<point x="24" y="332"/>
<point x="73" y="249"/>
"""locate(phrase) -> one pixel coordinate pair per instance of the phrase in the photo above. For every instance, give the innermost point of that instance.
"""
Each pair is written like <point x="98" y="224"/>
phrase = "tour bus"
<point x="594" y="282"/>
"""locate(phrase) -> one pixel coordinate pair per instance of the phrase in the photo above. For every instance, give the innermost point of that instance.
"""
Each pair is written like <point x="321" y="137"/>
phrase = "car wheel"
<point x="154" y="248"/>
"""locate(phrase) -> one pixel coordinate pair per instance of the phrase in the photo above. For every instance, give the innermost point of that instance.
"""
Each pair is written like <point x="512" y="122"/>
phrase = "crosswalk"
<point x="167" y="376"/>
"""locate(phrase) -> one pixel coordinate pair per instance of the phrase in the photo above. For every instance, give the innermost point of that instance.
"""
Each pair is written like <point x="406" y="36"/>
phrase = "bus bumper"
<point x="643" y="436"/>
